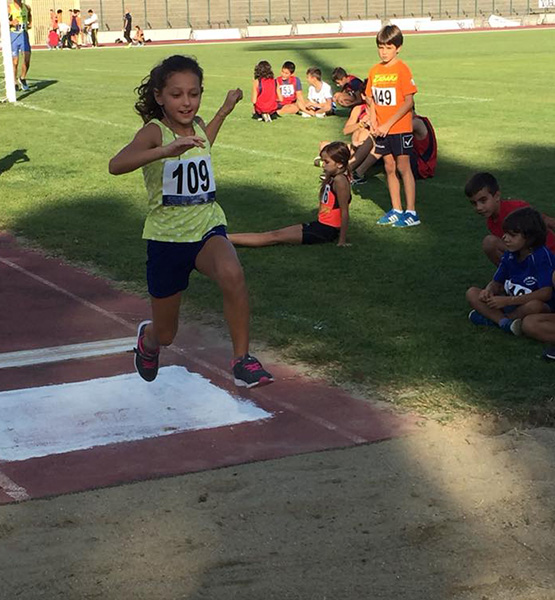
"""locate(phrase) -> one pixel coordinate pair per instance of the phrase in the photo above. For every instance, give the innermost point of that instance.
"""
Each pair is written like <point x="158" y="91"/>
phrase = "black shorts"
<point x="318" y="233"/>
<point x="397" y="144"/>
<point x="169" y="264"/>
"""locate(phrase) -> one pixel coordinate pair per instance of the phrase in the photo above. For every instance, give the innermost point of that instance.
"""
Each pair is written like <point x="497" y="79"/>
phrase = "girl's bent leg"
<point x="288" y="235"/>
<point x="218" y="261"/>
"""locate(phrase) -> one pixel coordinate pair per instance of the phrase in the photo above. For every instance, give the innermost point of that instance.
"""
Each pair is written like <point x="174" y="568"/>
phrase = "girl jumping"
<point x="333" y="215"/>
<point x="185" y="227"/>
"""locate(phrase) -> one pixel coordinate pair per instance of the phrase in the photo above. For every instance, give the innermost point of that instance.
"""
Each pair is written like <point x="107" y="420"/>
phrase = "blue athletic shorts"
<point x="169" y="264"/>
<point x="20" y="42"/>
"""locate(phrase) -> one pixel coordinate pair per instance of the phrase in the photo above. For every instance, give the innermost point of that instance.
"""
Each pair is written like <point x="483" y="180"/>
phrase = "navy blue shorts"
<point x="394" y="143"/>
<point x="319" y="233"/>
<point x="169" y="264"/>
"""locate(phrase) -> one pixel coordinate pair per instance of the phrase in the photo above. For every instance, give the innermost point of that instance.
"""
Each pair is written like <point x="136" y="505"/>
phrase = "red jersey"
<point x="388" y="86"/>
<point x="289" y="88"/>
<point x="506" y="207"/>
<point x="330" y="212"/>
<point x="426" y="151"/>
<point x="266" y="101"/>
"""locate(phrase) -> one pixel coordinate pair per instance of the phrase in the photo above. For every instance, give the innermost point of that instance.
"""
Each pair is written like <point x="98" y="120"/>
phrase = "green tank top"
<point x="185" y="223"/>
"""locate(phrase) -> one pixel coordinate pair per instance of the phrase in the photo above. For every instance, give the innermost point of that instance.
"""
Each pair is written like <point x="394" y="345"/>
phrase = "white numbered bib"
<point x="287" y="90"/>
<point x="384" y="96"/>
<point x="188" y="181"/>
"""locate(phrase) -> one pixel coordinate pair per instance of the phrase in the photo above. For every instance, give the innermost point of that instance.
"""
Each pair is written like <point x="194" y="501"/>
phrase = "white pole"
<point x="7" y="51"/>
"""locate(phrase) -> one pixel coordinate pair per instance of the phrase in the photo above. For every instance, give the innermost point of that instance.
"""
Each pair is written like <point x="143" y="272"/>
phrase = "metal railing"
<point x="200" y="14"/>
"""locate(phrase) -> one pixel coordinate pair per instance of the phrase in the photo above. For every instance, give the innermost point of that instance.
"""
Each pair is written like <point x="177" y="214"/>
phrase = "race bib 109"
<point x="384" y="96"/>
<point x="188" y="181"/>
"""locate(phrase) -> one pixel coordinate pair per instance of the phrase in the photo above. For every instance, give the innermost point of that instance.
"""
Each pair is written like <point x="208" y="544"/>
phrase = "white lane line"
<point x="61" y="290"/>
<point x="233" y="147"/>
<point x="24" y="358"/>
<point x="448" y="96"/>
<point x="13" y="490"/>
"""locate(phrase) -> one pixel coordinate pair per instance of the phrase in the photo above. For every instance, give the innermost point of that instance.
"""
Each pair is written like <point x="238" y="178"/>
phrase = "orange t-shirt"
<point x="388" y="87"/>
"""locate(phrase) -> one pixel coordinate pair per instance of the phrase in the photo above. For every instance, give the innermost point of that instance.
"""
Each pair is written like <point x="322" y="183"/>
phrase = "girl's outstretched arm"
<point x="342" y="188"/>
<point x="232" y="98"/>
<point x="146" y="147"/>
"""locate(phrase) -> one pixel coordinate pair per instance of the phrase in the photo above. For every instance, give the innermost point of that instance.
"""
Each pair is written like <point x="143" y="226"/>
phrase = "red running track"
<point x="47" y="303"/>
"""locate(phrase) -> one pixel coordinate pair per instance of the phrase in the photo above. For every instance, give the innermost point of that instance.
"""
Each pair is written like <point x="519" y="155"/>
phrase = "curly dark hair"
<point x="263" y="70"/>
<point x="146" y="105"/>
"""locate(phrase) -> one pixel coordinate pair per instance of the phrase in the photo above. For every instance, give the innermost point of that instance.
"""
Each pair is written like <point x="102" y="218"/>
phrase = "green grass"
<point x="389" y="312"/>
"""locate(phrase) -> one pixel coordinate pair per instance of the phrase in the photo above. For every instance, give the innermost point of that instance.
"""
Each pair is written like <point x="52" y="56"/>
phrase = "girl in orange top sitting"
<point x="333" y="214"/>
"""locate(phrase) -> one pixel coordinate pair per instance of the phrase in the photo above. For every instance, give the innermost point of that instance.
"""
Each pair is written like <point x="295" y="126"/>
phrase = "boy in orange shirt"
<point x="390" y="90"/>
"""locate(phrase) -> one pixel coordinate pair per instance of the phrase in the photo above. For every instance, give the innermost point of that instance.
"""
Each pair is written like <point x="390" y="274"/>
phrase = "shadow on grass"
<point x="388" y="312"/>
<point x="14" y="158"/>
<point x="36" y="85"/>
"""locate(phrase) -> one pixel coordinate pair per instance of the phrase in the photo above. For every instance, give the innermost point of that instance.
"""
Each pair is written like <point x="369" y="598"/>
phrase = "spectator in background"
<point x="127" y="23"/>
<point x="63" y="31"/>
<point x="139" y="37"/>
<point x="75" y="27"/>
<point x="19" y="15"/>
<point x="92" y="27"/>
<point x="53" y="20"/>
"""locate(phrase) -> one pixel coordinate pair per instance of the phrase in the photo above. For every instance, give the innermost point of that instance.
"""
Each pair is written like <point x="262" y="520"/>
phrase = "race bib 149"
<point x="384" y="96"/>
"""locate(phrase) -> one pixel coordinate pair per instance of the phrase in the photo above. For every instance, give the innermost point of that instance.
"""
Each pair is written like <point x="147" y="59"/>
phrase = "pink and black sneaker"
<point x="146" y="363"/>
<point x="248" y="372"/>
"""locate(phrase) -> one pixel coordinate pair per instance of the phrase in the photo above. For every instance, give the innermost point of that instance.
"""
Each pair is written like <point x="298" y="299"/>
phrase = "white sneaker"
<point x="306" y="116"/>
<point x="320" y="115"/>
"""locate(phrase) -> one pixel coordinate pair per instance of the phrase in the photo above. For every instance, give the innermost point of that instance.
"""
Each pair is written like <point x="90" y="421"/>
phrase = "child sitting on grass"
<point x="522" y="284"/>
<point x="485" y="196"/>
<point x="542" y="327"/>
<point x="333" y="214"/>
<point x="264" y="94"/>
<point x="289" y="90"/>
<point x="319" y="103"/>
<point x="351" y="88"/>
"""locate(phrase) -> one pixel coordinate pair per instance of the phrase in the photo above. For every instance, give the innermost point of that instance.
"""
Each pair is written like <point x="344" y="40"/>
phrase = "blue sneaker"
<point x="478" y="319"/>
<point x="23" y="84"/>
<point x="389" y="218"/>
<point x="513" y="326"/>
<point x="407" y="220"/>
<point x="549" y="353"/>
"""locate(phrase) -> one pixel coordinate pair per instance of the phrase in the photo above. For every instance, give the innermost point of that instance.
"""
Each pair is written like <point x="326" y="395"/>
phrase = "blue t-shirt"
<point x="532" y="274"/>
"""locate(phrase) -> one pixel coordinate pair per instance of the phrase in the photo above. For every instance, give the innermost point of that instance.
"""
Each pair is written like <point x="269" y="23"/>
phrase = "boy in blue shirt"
<point x="522" y="284"/>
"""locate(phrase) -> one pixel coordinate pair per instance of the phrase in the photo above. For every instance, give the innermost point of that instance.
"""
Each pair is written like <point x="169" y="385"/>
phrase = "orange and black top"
<point x="330" y="211"/>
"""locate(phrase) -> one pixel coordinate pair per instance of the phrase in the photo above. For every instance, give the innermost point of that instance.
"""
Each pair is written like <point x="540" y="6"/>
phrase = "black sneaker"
<point x="248" y="372"/>
<point x="549" y="353"/>
<point x="146" y="363"/>
<point x="23" y="85"/>
<point x="358" y="180"/>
